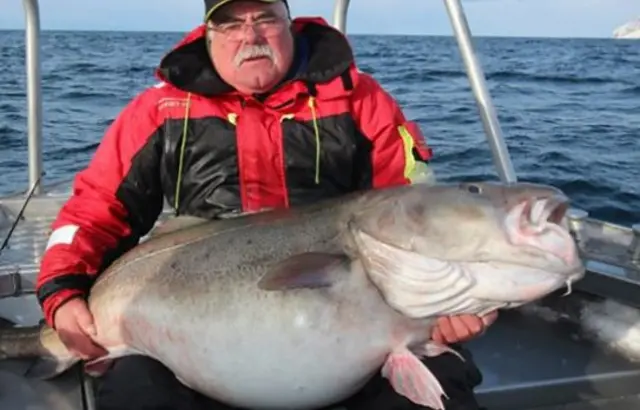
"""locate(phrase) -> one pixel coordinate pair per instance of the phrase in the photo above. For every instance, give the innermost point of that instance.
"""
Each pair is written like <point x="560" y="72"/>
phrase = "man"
<point x="254" y="111"/>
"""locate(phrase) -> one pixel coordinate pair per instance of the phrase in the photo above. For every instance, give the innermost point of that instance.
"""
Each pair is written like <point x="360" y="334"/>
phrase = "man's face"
<point x="251" y="44"/>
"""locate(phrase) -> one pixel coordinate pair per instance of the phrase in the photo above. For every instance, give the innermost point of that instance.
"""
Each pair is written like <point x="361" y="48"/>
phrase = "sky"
<point x="521" y="18"/>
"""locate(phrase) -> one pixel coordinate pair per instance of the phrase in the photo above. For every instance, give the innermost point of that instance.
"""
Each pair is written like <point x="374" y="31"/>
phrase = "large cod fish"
<point x="299" y="308"/>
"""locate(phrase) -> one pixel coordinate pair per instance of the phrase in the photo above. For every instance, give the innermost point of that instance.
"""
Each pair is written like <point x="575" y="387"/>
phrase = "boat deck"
<point x="527" y="362"/>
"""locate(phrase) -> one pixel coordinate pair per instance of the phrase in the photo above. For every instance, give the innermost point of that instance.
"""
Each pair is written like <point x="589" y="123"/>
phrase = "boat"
<point x="529" y="358"/>
<point x="630" y="30"/>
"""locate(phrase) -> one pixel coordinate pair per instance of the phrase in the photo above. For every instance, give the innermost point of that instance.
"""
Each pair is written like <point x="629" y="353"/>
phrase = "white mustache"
<point x="253" y="52"/>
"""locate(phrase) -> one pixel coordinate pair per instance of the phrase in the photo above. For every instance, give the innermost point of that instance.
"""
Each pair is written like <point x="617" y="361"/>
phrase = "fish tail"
<point x="20" y="342"/>
<point x="41" y="344"/>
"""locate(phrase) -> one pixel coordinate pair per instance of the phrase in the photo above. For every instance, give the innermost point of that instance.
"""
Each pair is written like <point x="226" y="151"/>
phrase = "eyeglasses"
<point x="267" y="27"/>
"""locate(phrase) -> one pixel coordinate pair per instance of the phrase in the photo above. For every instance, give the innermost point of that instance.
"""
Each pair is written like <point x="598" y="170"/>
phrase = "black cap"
<point x="210" y="6"/>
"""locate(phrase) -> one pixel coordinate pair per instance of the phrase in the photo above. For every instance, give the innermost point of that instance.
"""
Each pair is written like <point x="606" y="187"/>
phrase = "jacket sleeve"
<point x="114" y="201"/>
<point x="399" y="152"/>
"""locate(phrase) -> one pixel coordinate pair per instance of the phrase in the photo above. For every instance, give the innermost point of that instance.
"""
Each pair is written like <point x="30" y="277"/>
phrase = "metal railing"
<point x="501" y="157"/>
<point x="340" y="15"/>
<point x="34" y="94"/>
<point x="499" y="150"/>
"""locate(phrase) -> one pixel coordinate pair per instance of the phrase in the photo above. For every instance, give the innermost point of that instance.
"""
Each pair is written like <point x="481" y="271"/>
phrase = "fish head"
<point x="468" y="247"/>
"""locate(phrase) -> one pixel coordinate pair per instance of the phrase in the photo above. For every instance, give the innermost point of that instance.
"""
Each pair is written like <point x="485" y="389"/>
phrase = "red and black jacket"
<point x="207" y="150"/>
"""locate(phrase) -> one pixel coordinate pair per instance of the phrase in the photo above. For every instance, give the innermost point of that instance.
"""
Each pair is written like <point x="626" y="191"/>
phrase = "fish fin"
<point x="432" y="349"/>
<point x="40" y="348"/>
<point x="45" y="368"/>
<point x="97" y="366"/>
<point x="414" y="285"/>
<point x="183" y="382"/>
<point x="305" y="270"/>
<point x="410" y="378"/>
<point x="175" y="224"/>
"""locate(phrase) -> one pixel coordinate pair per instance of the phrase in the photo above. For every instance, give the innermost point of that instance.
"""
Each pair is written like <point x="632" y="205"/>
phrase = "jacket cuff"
<point x="51" y="304"/>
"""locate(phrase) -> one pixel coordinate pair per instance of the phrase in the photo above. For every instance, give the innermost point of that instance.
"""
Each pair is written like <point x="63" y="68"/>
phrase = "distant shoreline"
<point x="629" y="30"/>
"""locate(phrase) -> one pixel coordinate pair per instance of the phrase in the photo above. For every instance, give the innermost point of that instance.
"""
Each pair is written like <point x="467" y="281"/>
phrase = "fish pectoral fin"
<point x="410" y="378"/>
<point x="45" y="368"/>
<point x="99" y="365"/>
<point x="305" y="270"/>
<point x="183" y="382"/>
<point x="433" y="349"/>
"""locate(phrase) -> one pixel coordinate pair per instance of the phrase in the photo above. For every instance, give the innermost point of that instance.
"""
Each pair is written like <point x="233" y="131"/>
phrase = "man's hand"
<point x="456" y="329"/>
<point x="74" y="324"/>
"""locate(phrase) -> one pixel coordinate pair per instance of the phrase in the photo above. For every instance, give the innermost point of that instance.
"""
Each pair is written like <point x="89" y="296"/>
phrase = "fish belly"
<point x="293" y="349"/>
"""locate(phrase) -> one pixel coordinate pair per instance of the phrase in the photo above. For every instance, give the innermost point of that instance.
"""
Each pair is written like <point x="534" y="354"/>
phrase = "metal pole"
<point x="492" y="129"/>
<point x="89" y="391"/>
<point x="34" y="100"/>
<point x="340" y="15"/>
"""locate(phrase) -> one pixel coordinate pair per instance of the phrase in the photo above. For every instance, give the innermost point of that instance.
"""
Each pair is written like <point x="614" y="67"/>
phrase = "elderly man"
<point x="254" y="111"/>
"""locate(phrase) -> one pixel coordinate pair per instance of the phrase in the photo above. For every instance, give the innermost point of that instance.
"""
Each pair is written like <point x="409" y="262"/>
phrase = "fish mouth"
<point x="539" y="222"/>
<point x="540" y="211"/>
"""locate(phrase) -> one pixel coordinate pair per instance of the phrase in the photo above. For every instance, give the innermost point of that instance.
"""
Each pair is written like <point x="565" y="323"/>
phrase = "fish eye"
<point x="474" y="189"/>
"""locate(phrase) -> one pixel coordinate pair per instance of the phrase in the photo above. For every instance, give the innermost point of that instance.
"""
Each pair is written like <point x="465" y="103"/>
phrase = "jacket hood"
<point x="188" y="65"/>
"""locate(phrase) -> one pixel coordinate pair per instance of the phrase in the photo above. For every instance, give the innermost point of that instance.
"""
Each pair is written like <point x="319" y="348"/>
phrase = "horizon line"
<point x="89" y="30"/>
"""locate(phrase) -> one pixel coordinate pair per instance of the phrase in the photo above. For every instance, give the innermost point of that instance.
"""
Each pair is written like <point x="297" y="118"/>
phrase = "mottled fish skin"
<point x="279" y="310"/>
<point x="209" y="289"/>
